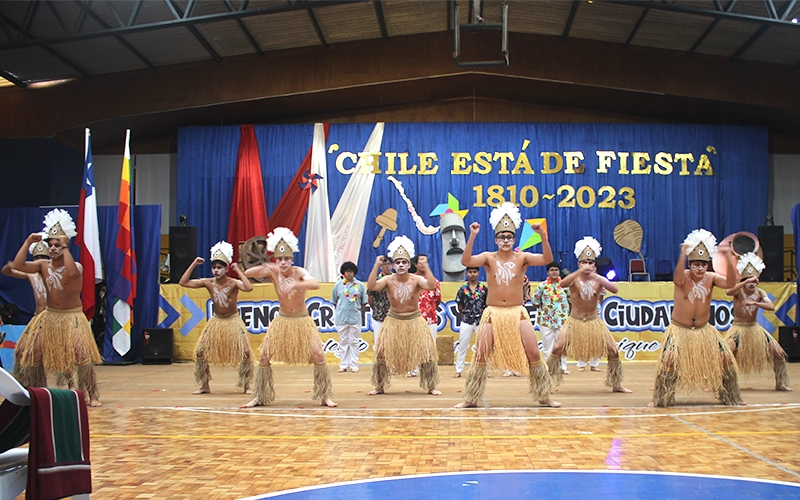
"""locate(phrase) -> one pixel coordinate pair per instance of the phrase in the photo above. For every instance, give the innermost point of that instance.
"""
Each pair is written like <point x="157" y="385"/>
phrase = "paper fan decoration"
<point x="628" y="234"/>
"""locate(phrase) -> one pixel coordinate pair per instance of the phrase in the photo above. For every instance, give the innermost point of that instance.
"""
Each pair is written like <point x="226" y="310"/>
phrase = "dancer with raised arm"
<point x="506" y="338"/>
<point x="224" y="339"/>
<point x="62" y="338"/>
<point x="694" y="355"/>
<point x="754" y="348"/>
<point x="292" y="337"/>
<point x="406" y="341"/>
<point x="39" y="251"/>
<point x="584" y="335"/>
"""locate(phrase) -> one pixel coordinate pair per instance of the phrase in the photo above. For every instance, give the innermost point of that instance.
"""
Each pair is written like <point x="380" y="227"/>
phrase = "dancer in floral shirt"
<point x="552" y="302"/>
<point x="471" y="301"/>
<point x="429" y="301"/>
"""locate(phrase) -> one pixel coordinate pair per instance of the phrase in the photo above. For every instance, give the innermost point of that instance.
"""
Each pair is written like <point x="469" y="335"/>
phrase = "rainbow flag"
<point x="123" y="290"/>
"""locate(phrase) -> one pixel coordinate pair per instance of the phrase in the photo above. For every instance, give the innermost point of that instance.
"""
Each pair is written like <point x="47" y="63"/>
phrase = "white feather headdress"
<point x="504" y="216"/>
<point x="406" y="244"/>
<point x="59" y="219"/>
<point x="222" y="251"/>
<point x="581" y="246"/>
<point x="750" y="259"/>
<point x="282" y="233"/>
<point x="39" y="247"/>
<point x="697" y="238"/>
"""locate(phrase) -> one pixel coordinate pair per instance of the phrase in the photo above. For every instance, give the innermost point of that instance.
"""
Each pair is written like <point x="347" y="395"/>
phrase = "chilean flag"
<point x="88" y="238"/>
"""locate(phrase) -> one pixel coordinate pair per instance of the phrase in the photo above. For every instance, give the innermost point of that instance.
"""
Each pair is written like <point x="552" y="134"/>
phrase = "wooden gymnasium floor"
<point x="153" y="439"/>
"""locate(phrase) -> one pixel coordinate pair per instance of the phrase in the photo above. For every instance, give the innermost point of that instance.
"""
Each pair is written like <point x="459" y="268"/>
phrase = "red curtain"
<point x="248" y="205"/>
<point x="294" y="204"/>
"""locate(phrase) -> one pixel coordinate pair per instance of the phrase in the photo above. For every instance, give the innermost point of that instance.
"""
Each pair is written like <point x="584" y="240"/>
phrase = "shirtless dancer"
<point x="754" y="348"/>
<point x="585" y="335"/>
<point x="224" y="339"/>
<point x="39" y="251"/>
<point x="62" y="338"/>
<point x="292" y="337"/>
<point x="506" y="337"/>
<point x="694" y="355"/>
<point x="405" y="341"/>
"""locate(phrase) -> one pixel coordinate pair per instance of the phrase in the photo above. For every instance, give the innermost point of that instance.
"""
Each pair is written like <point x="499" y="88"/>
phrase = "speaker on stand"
<point x="771" y="240"/>
<point x="182" y="251"/>
<point x="157" y="346"/>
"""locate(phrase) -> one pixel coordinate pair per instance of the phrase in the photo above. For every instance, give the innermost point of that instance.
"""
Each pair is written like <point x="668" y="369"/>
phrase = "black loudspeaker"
<point x="182" y="251"/>
<point x="789" y="339"/>
<point x="157" y="347"/>
<point x="771" y="240"/>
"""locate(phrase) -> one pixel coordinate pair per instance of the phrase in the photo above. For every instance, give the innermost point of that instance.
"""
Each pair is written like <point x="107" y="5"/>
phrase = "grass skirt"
<point x="475" y="385"/>
<point x="26" y="375"/>
<point x="32" y="325"/>
<point x="699" y="359"/>
<point x="781" y="374"/>
<point x="63" y="336"/>
<point x="264" y="387"/>
<point x="221" y="341"/>
<point x="290" y="338"/>
<point x="323" y="389"/>
<point x="585" y="340"/>
<point x="508" y="352"/>
<point x="406" y="342"/>
<point x="381" y="378"/>
<point x="540" y="385"/>
<point x="754" y="343"/>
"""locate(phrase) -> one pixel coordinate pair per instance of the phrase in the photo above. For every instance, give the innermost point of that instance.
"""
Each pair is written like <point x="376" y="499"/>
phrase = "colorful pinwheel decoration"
<point x="529" y="236"/>
<point x="450" y="206"/>
<point x="310" y="182"/>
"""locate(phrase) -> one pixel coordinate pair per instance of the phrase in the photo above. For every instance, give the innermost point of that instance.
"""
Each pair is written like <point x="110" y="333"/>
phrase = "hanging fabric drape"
<point x="320" y="259"/>
<point x="350" y="216"/>
<point x="248" y="216"/>
<point x="293" y="205"/>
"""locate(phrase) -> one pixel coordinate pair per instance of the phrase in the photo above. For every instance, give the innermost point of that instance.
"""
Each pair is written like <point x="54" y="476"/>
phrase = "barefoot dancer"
<point x="224" y="339"/>
<point x="694" y="356"/>
<point x="292" y="337"/>
<point x="506" y="337"/>
<point x="755" y="349"/>
<point x="585" y="335"/>
<point x="39" y="251"/>
<point x="62" y="337"/>
<point x="406" y="341"/>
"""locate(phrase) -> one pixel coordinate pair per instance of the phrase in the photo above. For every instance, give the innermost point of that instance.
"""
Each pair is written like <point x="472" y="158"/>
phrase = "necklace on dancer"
<point x="350" y="294"/>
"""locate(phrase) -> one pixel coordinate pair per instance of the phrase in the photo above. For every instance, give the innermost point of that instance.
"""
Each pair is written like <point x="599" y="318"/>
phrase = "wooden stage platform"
<point x="152" y="439"/>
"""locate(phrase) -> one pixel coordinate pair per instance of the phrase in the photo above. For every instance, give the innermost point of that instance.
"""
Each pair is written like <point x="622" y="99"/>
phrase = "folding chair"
<point x="637" y="271"/>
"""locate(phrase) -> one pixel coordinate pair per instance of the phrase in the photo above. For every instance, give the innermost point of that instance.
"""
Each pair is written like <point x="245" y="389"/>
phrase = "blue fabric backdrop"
<point x="668" y="207"/>
<point x="18" y="223"/>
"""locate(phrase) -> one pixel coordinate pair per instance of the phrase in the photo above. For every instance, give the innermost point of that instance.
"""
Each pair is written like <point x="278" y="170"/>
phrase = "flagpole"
<point x="124" y="289"/>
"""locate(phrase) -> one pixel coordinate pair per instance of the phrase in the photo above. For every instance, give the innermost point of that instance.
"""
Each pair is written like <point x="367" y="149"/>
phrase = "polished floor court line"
<point x="153" y="440"/>
<point x="552" y="485"/>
